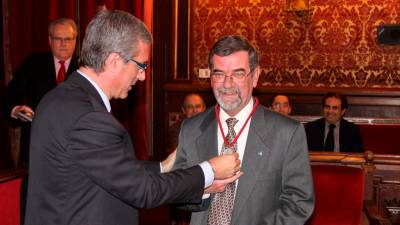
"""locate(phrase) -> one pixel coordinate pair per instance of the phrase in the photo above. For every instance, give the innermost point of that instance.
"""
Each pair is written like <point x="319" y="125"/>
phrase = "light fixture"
<point x="301" y="9"/>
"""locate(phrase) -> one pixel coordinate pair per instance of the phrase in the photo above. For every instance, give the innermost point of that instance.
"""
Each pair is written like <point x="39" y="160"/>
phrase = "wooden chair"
<point x="339" y="194"/>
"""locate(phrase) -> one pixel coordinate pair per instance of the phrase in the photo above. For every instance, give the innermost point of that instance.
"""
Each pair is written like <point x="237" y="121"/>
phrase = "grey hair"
<point x="230" y="44"/>
<point x="63" y="21"/>
<point x="112" y="31"/>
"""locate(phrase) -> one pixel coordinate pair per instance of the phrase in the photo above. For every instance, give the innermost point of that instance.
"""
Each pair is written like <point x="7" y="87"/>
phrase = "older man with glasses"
<point x="38" y="74"/>
<point x="276" y="187"/>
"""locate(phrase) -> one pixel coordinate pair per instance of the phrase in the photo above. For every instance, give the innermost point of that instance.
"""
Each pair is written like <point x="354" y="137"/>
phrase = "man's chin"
<point x="229" y="106"/>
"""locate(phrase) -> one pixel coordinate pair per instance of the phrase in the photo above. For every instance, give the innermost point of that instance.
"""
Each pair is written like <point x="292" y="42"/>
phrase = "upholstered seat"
<point x="9" y="202"/>
<point x="339" y="193"/>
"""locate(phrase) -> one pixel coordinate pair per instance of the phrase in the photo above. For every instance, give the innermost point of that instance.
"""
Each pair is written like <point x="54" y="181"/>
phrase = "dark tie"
<point x="61" y="72"/>
<point x="220" y="212"/>
<point x="330" y="140"/>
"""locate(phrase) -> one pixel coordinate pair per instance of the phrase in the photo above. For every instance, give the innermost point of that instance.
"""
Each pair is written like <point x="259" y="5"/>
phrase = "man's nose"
<point x="142" y="75"/>
<point x="228" y="81"/>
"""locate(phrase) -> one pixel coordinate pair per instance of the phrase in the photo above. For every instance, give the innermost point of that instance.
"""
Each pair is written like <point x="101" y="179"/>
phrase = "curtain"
<point x="27" y="22"/>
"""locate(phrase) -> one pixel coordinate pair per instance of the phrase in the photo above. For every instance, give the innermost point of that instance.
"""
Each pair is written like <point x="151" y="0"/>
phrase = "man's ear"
<point x="112" y="62"/>
<point x="256" y="75"/>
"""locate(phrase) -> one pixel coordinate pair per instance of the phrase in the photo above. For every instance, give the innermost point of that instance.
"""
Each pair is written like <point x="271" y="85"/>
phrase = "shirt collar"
<point x="66" y="62"/>
<point x="103" y="96"/>
<point x="337" y="124"/>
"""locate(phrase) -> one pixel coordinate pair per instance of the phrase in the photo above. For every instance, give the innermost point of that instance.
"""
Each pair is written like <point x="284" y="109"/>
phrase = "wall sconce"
<point x="301" y="9"/>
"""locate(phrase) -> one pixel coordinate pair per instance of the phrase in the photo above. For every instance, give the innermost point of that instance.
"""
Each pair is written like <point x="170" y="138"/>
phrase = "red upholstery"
<point x="9" y="202"/>
<point x="381" y="138"/>
<point x="339" y="194"/>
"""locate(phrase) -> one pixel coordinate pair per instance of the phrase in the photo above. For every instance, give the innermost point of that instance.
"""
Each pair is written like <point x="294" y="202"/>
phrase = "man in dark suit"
<point x="276" y="187"/>
<point x="37" y="75"/>
<point x="83" y="169"/>
<point x="332" y="132"/>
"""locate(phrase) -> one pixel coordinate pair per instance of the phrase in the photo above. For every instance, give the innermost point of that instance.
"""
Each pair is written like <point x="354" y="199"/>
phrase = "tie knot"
<point x="332" y="126"/>
<point x="61" y="62"/>
<point x="231" y="122"/>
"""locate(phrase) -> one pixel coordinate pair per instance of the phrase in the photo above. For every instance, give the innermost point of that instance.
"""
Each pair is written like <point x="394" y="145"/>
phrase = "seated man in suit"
<point x="332" y="132"/>
<point x="193" y="104"/>
<point x="280" y="103"/>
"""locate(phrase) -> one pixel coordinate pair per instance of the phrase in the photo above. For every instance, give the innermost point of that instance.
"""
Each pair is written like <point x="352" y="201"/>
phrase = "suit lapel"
<point x="256" y="153"/>
<point x="320" y="133"/>
<point x="51" y="68"/>
<point x="73" y="65"/>
<point x="207" y="141"/>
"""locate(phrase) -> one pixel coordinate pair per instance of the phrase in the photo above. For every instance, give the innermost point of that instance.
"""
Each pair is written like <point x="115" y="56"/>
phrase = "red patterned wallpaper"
<point x="337" y="49"/>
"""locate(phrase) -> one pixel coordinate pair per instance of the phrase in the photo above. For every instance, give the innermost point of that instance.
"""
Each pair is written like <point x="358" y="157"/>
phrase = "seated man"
<point x="280" y="103"/>
<point x="332" y="132"/>
<point x="193" y="104"/>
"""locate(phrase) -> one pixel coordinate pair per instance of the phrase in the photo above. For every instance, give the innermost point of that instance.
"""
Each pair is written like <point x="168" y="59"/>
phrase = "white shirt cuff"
<point x="208" y="173"/>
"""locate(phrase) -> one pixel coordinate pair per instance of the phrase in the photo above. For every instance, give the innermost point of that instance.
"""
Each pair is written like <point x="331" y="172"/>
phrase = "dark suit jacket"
<point x="83" y="169"/>
<point x="276" y="188"/>
<point x="349" y="136"/>
<point x="33" y="79"/>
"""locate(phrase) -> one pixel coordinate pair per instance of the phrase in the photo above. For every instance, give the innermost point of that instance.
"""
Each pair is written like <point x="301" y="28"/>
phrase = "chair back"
<point x="339" y="195"/>
<point x="10" y="202"/>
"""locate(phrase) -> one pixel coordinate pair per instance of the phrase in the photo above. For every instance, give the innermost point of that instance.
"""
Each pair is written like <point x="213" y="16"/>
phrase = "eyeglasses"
<point x="141" y="66"/>
<point x="65" y="39"/>
<point x="236" y="76"/>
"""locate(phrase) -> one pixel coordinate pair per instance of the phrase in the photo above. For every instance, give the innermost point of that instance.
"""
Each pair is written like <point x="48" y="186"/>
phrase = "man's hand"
<point x="24" y="109"/>
<point x="225" y="166"/>
<point x="168" y="163"/>
<point x="220" y="185"/>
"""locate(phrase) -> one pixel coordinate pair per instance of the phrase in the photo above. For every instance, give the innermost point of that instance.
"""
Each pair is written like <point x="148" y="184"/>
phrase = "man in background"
<point x="276" y="187"/>
<point x="83" y="168"/>
<point x="332" y="132"/>
<point x="193" y="104"/>
<point x="280" y="103"/>
<point x="38" y="74"/>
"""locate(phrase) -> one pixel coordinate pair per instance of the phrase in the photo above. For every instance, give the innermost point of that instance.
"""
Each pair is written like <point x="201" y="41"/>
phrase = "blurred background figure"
<point x="280" y="103"/>
<point x="332" y="132"/>
<point x="193" y="104"/>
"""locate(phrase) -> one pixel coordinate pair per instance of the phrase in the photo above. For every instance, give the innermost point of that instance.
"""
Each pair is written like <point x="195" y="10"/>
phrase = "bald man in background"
<point x="193" y="104"/>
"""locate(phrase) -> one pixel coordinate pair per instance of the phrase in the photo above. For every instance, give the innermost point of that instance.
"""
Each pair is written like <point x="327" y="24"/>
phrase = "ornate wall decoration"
<point x="337" y="49"/>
